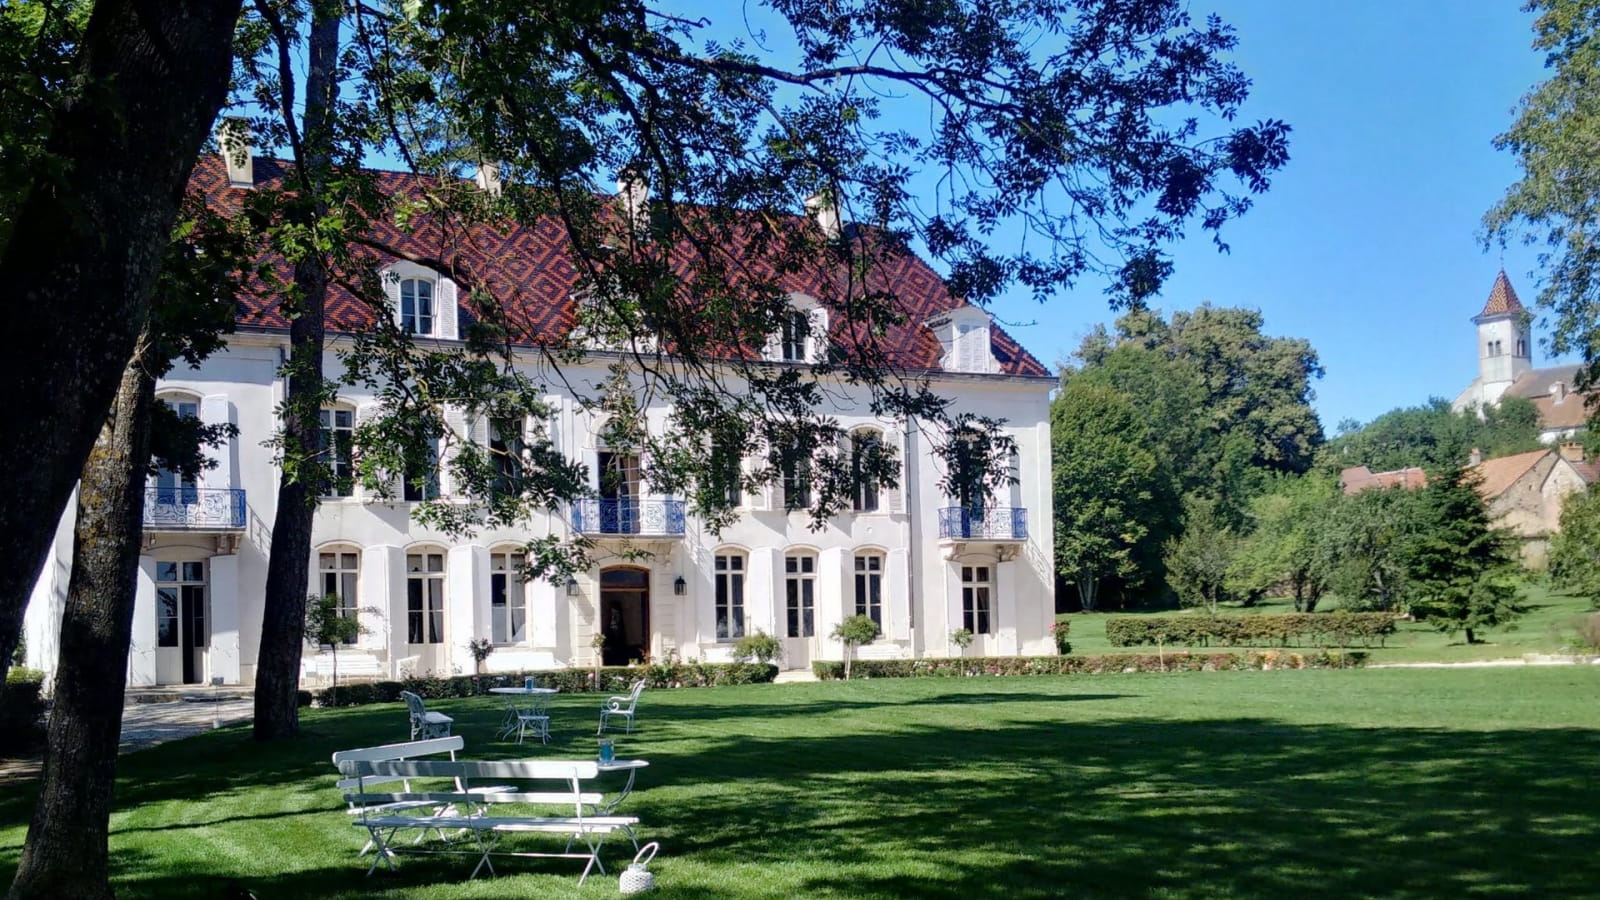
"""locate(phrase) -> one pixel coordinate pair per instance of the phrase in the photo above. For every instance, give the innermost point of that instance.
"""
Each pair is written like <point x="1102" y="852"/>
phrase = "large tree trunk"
<point x="65" y="856"/>
<point x="277" y="712"/>
<point x="85" y="249"/>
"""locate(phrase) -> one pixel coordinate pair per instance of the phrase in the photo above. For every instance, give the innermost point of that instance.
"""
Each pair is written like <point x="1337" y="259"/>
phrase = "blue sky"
<point x="1367" y="243"/>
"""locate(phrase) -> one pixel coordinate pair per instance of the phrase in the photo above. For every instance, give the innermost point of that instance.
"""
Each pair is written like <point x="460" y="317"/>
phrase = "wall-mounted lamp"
<point x="680" y="587"/>
<point x="572" y="586"/>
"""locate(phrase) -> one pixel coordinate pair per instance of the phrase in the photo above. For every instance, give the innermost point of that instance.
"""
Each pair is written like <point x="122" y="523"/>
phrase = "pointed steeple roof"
<point x="1502" y="298"/>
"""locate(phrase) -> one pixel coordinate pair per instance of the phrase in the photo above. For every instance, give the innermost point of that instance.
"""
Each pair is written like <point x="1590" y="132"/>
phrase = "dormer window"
<point x="422" y="301"/>
<point x="796" y="335"/>
<point x="416" y="306"/>
<point x="965" y="334"/>
<point x="802" y="333"/>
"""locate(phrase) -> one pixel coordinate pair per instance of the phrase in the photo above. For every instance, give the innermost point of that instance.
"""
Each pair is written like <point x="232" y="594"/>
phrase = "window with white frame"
<point x="724" y="475"/>
<point x="794" y="469"/>
<point x="180" y="593"/>
<point x="173" y="486"/>
<point x="506" y="446"/>
<point x="802" y="333"/>
<point x="869" y="586"/>
<point x="338" y="570"/>
<point x="425" y="598"/>
<point x="336" y="443"/>
<point x="729" y="579"/>
<point x="417" y="310"/>
<point x="508" y="605"/>
<point x="977" y="596"/>
<point x="864" y="445"/>
<point x="800" y="594"/>
<point x="423" y="483"/>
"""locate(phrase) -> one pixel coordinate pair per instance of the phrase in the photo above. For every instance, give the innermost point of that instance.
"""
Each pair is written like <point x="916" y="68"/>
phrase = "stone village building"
<point x="911" y="558"/>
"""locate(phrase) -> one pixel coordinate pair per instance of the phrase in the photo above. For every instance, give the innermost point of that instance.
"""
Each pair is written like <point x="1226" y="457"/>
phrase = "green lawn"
<point x="1545" y="629"/>
<point x="1392" y="783"/>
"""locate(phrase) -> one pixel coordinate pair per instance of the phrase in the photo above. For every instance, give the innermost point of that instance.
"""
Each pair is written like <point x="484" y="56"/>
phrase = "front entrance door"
<point x="181" y="638"/>
<point x="799" y="609"/>
<point x="624" y="615"/>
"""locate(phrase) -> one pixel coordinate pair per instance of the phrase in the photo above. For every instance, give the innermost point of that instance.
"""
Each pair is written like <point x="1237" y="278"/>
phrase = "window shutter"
<point x="448" y="314"/>
<point x="367" y="413"/>
<point x="893" y="499"/>
<point x="553" y="423"/>
<point x="760" y="497"/>
<point x="457" y="430"/>
<point x="817" y="343"/>
<point x="391" y="290"/>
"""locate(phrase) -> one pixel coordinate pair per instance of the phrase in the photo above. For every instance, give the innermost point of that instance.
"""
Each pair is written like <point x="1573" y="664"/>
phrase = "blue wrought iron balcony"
<point x="192" y="508"/>
<point x="642" y="517"/>
<point x="993" y="523"/>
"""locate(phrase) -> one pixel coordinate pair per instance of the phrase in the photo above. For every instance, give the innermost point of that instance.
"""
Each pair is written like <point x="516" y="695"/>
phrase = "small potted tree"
<point x="855" y="631"/>
<point x="962" y="638"/>
<point x="480" y="648"/>
<point x="326" y="625"/>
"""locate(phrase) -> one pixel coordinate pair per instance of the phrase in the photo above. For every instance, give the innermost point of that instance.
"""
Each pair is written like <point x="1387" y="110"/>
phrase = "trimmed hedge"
<point x="1114" y="663"/>
<point x="1337" y="629"/>
<point x="613" y="680"/>
<point x="22" y="711"/>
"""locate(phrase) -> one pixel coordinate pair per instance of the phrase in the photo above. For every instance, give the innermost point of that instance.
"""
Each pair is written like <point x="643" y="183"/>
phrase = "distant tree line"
<point x="1190" y="466"/>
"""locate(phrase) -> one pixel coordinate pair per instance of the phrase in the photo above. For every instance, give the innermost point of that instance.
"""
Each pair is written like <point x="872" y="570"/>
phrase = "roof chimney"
<point x="1572" y="451"/>
<point x="1558" y="391"/>
<point x="633" y="196"/>
<point x="233" y="138"/>
<point x="824" y="211"/>
<point x="1474" y="456"/>
<point x="488" y="178"/>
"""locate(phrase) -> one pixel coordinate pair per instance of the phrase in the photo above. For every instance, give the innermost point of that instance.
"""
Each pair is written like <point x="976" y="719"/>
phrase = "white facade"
<point x="423" y="596"/>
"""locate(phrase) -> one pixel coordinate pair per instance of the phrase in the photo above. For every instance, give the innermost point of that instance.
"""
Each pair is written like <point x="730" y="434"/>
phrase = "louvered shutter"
<point x="448" y="315"/>
<point x="457" y="431"/>
<point x="893" y="498"/>
<point x="366" y="413"/>
<point x="818" y="342"/>
<point x="391" y="290"/>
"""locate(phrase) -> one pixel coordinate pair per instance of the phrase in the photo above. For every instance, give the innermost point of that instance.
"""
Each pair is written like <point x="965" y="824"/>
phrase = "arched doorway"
<point x="624" y="614"/>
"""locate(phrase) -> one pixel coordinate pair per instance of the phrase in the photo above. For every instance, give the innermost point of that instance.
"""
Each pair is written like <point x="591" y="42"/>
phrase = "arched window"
<point x="338" y="569"/>
<point x="865" y="444"/>
<point x="508" y="603"/>
<point x="425" y="596"/>
<point x="802" y="334"/>
<point x="416" y="306"/>
<point x="729" y="569"/>
<point x="800" y="593"/>
<point x="869" y="586"/>
<point x="335" y="450"/>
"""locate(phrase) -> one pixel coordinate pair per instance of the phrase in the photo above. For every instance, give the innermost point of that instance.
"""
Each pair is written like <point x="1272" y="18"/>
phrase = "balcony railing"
<point x="663" y="517"/>
<point x="191" y="507"/>
<point x="994" y="523"/>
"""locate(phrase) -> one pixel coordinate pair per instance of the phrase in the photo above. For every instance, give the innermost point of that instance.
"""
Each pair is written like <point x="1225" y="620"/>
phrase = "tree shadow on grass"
<point x="928" y="806"/>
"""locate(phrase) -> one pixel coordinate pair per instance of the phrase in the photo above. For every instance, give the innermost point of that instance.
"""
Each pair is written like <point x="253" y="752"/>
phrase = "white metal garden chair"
<point x="621" y="706"/>
<point x="424" y="724"/>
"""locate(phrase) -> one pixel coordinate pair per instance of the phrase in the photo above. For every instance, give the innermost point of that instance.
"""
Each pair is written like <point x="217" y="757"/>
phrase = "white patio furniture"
<point x="527" y="712"/>
<point x="425" y="724"/>
<point x="622" y="707"/>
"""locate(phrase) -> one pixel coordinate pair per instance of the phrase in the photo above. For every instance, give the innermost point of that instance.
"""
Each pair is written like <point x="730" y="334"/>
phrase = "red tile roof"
<point x="1502" y="298"/>
<point x="1498" y="474"/>
<point x="1356" y="479"/>
<point x="531" y="271"/>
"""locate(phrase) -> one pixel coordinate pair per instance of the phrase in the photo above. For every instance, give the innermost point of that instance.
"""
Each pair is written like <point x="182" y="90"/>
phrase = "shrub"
<point x="1088" y="665"/>
<point x="854" y="631"/>
<point x="22" y="711"/>
<point x="962" y="637"/>
<point x="1059" y="631"/>
<point x="761" y="647"/>
<point x="612" y="680"/>
<point x="1338" y="629"/>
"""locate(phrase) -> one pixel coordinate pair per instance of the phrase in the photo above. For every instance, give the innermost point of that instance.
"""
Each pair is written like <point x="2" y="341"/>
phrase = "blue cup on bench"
<point x="527" y="683"/>
<point x="607" y="752"/>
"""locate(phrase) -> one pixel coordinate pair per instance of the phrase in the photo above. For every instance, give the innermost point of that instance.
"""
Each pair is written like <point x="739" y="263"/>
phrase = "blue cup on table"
<point x="607" y="752"/>
<point x="527" y="683"/>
